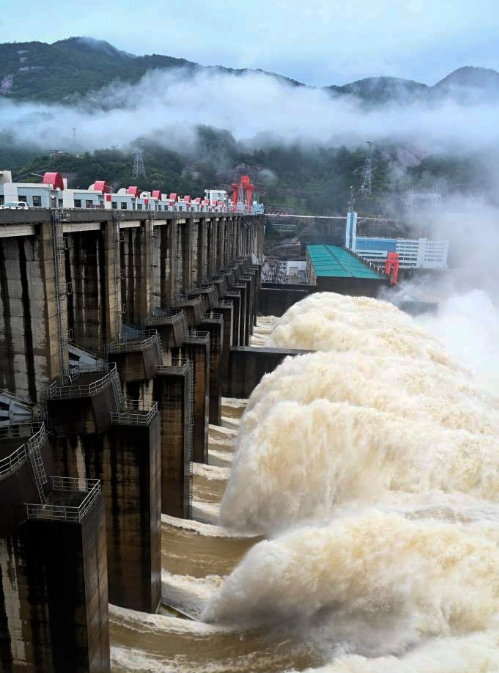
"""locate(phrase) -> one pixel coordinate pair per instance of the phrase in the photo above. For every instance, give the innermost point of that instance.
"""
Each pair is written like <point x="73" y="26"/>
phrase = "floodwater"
<point x="348" y="520"/>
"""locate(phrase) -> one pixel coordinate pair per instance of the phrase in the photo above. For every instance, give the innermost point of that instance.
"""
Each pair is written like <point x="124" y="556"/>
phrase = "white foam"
<point x="211" y="472"/>
<point x="205" y="529"/>
<point x="206" y="512"/>
<point x="375" y="463"/>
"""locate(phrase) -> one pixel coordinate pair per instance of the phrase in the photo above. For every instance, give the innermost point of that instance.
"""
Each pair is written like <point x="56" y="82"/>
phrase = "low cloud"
<point x="255" y="108"/>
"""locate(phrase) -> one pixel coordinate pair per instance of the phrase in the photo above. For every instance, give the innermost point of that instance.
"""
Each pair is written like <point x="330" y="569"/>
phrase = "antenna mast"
<point x="139" y="170"/>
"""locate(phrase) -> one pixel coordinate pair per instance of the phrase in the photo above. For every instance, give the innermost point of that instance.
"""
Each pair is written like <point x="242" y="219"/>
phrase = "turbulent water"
<point x="348" y="521"/>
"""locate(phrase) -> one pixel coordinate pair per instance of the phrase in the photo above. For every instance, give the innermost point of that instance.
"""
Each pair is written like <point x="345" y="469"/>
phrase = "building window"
<point x="77" y="203"/>
<point x="22" y="199"/>
<point x="88" y="203"/>
<point x="1" y="200"/>
<point x="124" y="205"/>
<point x="139" y="206"/>
<point x="37" y="201"/>
<point x="114" y="204"/>
<point x="59" y="203"/>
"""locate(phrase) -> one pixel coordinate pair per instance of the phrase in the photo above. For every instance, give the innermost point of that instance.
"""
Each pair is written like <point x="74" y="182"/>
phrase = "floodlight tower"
<point x="139" y="170"/>
<point x="366" y="187"/>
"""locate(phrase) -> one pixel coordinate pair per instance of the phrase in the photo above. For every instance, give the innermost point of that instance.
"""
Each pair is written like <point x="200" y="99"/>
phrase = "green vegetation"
<point x="65" y="70"/>
<point x="71" y="69"/>
<point x="451" y="173"/>
<point x="290" y="179"/>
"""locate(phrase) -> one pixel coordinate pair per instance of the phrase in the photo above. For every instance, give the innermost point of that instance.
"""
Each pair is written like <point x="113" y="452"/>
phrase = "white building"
<point x="47" y="194"/>
<point x="417" y="253"/>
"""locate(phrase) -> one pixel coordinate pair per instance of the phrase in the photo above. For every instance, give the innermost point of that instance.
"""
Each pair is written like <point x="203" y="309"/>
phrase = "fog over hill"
<point x="205" y="125"/>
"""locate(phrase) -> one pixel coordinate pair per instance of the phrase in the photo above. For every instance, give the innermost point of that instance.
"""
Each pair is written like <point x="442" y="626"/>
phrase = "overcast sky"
<point x="315" y="41"/>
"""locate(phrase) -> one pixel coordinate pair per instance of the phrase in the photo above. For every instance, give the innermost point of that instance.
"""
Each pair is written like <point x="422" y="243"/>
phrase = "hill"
<point x="380" y="90"/>
<point x="71" y="69"/>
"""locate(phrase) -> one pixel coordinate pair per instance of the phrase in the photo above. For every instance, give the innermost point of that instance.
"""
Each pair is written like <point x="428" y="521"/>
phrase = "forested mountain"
<point x="70" y="69"/>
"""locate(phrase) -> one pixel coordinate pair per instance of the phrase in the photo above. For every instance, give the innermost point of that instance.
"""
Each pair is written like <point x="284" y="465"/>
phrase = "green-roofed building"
<point x="334" y="269"/>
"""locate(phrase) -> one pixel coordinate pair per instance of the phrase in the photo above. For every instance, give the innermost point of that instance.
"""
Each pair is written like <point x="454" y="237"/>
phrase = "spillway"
<point x="358" y="492"/>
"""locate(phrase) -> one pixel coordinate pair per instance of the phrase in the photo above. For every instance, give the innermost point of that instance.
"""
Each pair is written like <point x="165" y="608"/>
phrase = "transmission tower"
<point x="139" y="170"/>
<point x="367" y="173"/>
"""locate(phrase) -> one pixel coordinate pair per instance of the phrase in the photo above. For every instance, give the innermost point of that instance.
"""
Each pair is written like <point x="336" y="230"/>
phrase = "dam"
<point x="154" y="518"/>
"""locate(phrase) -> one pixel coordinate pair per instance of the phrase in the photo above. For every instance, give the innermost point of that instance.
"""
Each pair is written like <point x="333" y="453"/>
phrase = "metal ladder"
<point x="61" y="292"/>
<point x="190" y="439"/>
<point x="36" y="462"/>
<point x="117" y="217"/>
<point x="117" y="391"/>
<point x="159" y="348"/>
<point x="155" y="262"/>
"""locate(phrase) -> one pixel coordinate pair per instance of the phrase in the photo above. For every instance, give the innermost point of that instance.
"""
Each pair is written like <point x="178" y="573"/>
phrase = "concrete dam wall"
<point x="115" y="330"/>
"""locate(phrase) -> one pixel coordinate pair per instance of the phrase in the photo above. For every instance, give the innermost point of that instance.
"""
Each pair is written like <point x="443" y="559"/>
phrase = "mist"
<point x="255" y="107"/>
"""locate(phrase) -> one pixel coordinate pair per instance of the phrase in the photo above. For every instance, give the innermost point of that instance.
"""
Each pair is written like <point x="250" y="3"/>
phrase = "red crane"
<point x="392" y="267"/>
<point x="242" y="195"/>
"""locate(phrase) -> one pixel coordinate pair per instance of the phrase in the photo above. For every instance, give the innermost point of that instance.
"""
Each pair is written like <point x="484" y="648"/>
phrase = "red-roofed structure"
<point x="54" y="180"/>
<point x="102" y="186"/>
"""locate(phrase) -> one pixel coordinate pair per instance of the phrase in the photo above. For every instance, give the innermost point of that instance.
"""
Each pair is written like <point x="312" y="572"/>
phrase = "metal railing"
<point x="134" y="413"/>
<point x="177" y="366"/>
<point x="67" y="513"/>
<point x="14" y="460"/>
<point x="213" y="315"/>
<point x="56" y="391"/>
<point x="36" y="441"/>
<point x="167" y="316"/>
<point x="195" y="337"/>
<point x="19" y="430"/>
<point x="10" y="463"/>
<point x="130" y="343"/>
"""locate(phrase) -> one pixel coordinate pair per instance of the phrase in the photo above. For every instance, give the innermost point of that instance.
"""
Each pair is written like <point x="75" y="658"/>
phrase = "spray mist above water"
<point x="373" y="467"/>
<point x="326" y="321"/>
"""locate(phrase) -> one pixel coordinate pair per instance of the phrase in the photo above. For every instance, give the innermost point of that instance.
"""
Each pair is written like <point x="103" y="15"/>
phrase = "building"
<point x="335" y="269"/>
<point x="417" y="253"/>
<point x="53" y="192"/>
<point x="293" y="272"/>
